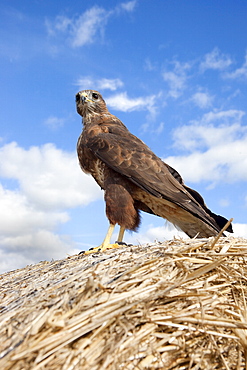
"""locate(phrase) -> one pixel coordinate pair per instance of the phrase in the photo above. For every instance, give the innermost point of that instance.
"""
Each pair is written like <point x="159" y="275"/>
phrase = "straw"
<point x="180" y="304"/>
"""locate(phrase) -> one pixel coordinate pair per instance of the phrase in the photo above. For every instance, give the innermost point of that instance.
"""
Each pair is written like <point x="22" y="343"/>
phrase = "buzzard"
<point x="134" y="179"/>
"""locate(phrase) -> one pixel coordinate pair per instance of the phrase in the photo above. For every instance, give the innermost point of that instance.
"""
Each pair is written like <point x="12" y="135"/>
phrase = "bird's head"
<point x="89" y="102"/>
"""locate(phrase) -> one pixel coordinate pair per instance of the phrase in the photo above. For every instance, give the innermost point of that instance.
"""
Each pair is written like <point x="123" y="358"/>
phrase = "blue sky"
<point x="175" y="72"/>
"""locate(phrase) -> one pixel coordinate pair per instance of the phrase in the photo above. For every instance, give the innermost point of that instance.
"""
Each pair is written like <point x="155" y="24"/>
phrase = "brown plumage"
<point x="134" y="178"/>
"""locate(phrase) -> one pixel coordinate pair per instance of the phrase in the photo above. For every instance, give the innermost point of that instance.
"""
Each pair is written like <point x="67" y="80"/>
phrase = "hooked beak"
<point x="81" y="97"/>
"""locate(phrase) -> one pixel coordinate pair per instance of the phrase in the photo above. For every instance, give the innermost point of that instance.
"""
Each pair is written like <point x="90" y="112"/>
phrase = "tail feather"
<point x="220" y="220"/>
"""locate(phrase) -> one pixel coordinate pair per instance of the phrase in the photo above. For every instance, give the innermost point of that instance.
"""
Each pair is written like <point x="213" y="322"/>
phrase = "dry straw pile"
<point x="176" y="305"/>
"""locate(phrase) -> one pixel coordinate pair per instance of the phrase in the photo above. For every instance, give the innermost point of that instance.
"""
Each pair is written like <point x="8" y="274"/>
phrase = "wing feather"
<point x="129" y="156"/>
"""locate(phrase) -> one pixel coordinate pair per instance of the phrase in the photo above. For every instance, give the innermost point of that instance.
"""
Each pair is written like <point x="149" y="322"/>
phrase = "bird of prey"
<point x="134" y="179"/>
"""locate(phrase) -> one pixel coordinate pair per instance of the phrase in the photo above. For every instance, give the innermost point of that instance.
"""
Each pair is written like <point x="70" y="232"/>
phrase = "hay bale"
<point x="174" y="305"/>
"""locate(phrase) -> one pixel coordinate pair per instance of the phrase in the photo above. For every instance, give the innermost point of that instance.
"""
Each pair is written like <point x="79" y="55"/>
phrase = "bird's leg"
<point x="108" y="236"/>
<point x="120" y="237"/>
<point x="106" y="243"/>
<point x="121" y="234"/>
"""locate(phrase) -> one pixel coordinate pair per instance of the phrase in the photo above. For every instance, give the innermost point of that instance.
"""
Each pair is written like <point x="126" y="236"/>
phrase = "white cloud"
<point x="110" y="84"/>
<point x="204" y="134"/>
<point x="54" y="122"/>
<point x="60" y="24"/>
<point x="87" y="27"/>
<point x="215" y="60"/>
<point x="239" y="72"/>
<point x="17" y="251"/>
<point x="227" y="116"/>
<point x="224" y="202"/>
<point x="152" y="129"/>
<point x="45" y="173"/>
<point x="177" y="78"/>
<point x="240" y="230"/>
<point x="129" y="6"/>
<point x="149" y="66"/>
<point x="168" y="232"/>
<point x="82" y="30"/>
<point x="49" y="183"/>
<point x="27" y="232"/>
<point x="18" y="211"/>
<point x="159" y="129"/>
<point x="88" y="82"/>
<point x="213" y="152"/>
<point x="202" y="99"/>
<point x="155" y="233"/>
<point x="125" y="104"/>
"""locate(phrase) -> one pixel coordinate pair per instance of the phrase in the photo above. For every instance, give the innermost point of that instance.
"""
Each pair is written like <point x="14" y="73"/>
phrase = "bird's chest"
<point x="98" y="172"/>
<point x="91" y="164"/>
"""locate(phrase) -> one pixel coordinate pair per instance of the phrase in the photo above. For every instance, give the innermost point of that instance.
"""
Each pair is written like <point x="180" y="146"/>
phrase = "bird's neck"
<point x="95" y="118"/>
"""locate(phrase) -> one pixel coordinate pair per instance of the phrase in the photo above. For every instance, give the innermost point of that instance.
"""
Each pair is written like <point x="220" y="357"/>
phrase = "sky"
<point x="174" y="72"/>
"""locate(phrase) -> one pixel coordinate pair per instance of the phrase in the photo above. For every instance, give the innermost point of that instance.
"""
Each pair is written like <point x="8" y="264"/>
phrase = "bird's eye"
<point x="95" y="96"/>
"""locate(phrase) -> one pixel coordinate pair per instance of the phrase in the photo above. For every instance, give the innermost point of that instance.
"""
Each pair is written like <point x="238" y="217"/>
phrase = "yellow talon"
<point x="106" y="243"/>
<point x="103" y="248"/>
